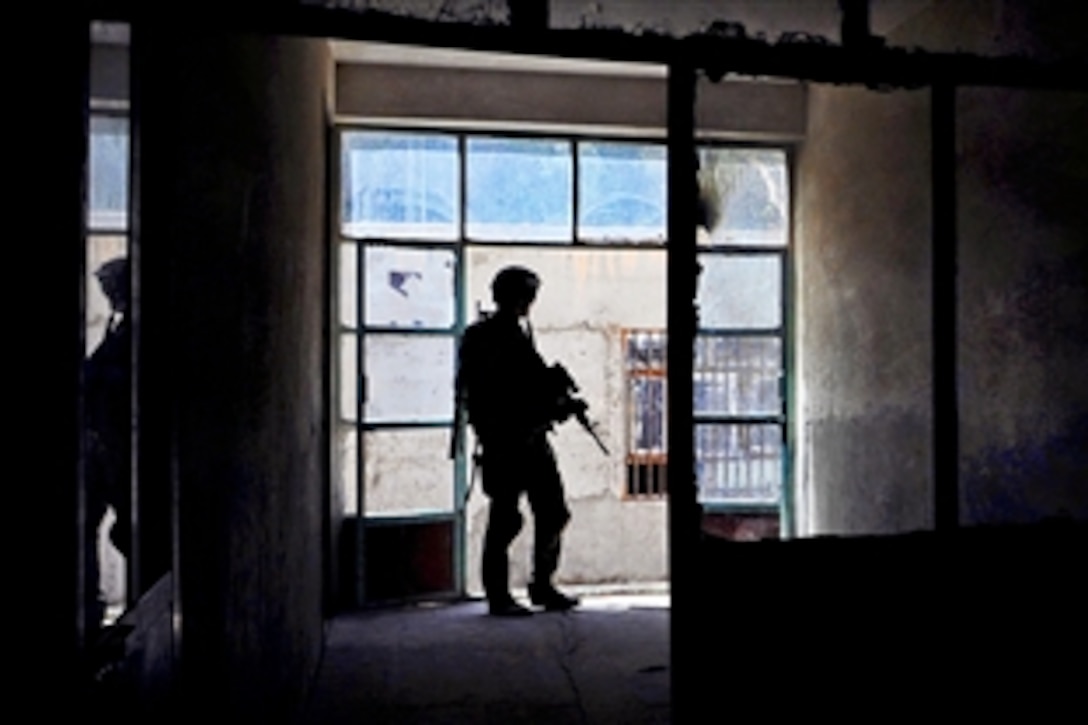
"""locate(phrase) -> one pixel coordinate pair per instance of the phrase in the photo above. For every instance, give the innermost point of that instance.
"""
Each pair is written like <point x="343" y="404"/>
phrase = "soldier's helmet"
<point x="113" y="277"/>
<point x="514" y="285"/>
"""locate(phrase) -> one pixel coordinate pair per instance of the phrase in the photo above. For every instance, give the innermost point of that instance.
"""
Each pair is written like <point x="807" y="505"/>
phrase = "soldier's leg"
<point x="503" y="524"/>
<point x="550" y="516"/>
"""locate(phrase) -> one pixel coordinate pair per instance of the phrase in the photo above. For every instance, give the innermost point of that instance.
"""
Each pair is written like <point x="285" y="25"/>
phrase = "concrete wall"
<point x="619" y="103"/>
<point x="587" y="298"/>
<point x="1024" y="302"/>
<point x="863" y="234"/>
<point x="109" y="72"/>
<point x="1024" y="281"/>
<point x="234" y="253"/>
<point x="863" y="314"/>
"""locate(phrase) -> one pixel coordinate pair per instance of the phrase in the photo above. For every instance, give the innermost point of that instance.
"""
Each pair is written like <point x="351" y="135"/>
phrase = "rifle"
<point x="566" y="387"/>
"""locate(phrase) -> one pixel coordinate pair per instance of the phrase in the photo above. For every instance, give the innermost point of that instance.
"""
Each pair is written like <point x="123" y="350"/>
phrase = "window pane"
<point x="740" y="291"/>
<point x="519" y="190"/>
<point x="745" y="196"/>
<point x="409" y="378"/>
<point x="349" y="376"/>
<point x="622" y="192"/>
<point x="399" y="185"/>
<point x="108" y="182"/>
<point x="347" y="468"/>
<point x="407" y="471"/>
<point x="737" y="376"/>
<point x="645" y="350"/>
<point x="738" y="463"/>
<point x="349" y="285"/>
<point x="647" y="415"/>
<point x="410" y="287"/>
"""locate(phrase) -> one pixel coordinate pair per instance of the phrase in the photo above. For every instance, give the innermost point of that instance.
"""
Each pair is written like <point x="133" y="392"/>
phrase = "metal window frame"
<point x="463" y="243"/>
<point x="783" y="507"/>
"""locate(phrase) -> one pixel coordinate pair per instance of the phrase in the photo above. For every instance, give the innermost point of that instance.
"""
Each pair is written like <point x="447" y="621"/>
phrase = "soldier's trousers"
<point x="507" y="474"/>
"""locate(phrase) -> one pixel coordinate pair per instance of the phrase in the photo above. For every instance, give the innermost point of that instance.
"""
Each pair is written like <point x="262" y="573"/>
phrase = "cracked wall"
<point x="864" y="329"/>
<point x="865" y="345"/>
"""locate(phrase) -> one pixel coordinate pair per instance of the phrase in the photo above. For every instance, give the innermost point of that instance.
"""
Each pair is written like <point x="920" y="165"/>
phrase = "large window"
<point x="427" y="187"/>
<point x="739" y="399"/>
<point x="412" y="201"/>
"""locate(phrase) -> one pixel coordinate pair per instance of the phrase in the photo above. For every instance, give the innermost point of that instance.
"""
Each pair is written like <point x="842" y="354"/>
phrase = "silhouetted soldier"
<point x="108" y="423"/>
<point x="512" y="399"/>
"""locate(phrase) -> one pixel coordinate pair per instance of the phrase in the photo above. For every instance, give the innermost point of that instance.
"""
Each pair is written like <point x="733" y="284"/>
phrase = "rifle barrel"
<point x="584" y="421"/>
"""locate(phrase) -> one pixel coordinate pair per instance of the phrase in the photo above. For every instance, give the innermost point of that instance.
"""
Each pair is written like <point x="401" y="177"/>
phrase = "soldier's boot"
<point x="545" y="595"/>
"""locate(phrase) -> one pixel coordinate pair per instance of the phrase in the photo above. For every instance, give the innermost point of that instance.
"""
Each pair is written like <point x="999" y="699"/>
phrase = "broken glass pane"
<point x="410" y="287"/>
<point x="744" y="197"/>
<point x="399" y="185"/>
<point x="519" y="190"/>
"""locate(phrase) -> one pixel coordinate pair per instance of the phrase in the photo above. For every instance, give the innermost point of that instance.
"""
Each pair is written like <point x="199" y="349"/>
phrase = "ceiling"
<point x="769" y="17"/>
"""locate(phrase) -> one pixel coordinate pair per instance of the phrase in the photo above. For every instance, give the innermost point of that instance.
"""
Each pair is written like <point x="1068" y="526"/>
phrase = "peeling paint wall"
<point x="864" y="325"/>
<point x="1024" y="305"/>
<point x="864" y="289"/>
<point x="1023" y="270"/>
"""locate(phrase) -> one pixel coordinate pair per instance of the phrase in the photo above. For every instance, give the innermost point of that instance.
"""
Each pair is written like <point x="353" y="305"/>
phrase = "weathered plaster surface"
<point x="864" y="290"/>
<point x="1024" y="300"/>
<point x="234" y="200"/>
<point x="1023" y="293"/>
<point x="864" y="337"/>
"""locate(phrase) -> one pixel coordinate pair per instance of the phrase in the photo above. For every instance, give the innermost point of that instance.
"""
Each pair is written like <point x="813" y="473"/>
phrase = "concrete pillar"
<point x="232" y="235"/>
<point x="47" y="341"/>
<point x="864" y="331"/>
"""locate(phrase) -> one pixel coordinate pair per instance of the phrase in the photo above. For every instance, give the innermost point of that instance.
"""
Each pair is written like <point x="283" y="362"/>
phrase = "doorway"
<point x="425" y="217"/>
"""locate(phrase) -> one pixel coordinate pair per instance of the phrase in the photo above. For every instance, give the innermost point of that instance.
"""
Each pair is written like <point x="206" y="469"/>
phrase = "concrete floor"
<point x="606" y="662"/>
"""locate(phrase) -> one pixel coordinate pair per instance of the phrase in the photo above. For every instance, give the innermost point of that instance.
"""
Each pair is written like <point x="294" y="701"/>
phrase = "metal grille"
<point x="644" y="361"/>
<point x="737" y="375"/>
<point x="739" y="463"/>
<point x="738" y="404"/>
